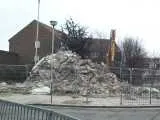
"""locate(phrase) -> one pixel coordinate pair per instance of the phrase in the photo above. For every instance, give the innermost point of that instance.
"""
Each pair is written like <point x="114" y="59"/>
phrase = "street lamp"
<point x="53" y="23"/>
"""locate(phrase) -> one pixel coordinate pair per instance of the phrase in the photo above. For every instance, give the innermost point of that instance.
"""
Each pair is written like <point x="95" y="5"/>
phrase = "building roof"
<point x="34" y="22"/>
<point x="99" y="45"/>
<point x="95" y="44"/>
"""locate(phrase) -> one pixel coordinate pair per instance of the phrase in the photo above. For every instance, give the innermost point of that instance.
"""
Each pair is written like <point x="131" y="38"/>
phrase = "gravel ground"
<point x="68" y="100"/>
<point x="45" y="99"/>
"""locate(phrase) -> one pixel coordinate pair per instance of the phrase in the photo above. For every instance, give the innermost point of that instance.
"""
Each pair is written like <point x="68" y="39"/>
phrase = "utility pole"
<point x="53" y="23"/>
<point x="37" y="42"/>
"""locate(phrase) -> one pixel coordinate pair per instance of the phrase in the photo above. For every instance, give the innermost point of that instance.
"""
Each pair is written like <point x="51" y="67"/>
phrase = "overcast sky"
<point x="137" y="18"/>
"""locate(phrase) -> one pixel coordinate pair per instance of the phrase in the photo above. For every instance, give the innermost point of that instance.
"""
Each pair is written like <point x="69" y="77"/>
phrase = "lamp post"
<point x="37" y="42"/>
<point x="53" y="23"/>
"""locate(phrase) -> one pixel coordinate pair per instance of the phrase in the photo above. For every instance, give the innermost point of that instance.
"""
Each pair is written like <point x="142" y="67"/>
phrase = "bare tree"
<point x="153" y="71"/>
<point x="134" y="53"/>
<point x="133" y="57"/>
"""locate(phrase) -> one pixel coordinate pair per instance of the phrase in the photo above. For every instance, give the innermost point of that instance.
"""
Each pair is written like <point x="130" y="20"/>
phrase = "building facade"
<point x="23" y="43"/>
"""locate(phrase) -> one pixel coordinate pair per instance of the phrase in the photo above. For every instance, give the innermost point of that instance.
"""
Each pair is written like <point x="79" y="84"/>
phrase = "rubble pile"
<point x="74" y="75"/>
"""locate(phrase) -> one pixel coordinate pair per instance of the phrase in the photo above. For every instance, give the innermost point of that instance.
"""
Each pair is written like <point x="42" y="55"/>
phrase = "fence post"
<point x="150" y="92"/>
<point x="130" y="82"/>
<point x="150" y="96"/>
<point x="121" y="97"/>
<point x="130" y="76"/>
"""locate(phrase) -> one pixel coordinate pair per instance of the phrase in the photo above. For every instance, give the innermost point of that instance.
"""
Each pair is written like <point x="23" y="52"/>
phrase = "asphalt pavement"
<point x="109" y="113"/>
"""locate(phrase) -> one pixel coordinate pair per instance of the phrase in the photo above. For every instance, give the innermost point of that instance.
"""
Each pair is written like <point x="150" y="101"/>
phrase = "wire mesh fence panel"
<point x="14" y="111"/>
<point x="138" y="86"/>
<point x="152" y="79"/>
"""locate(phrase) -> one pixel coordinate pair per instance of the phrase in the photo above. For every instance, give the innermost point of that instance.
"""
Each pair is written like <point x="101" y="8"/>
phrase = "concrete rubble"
<point x="73" y="75"/>
<point x="77" y="77"/>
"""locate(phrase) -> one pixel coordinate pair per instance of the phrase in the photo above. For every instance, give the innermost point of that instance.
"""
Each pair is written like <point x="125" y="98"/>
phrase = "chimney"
<point x="113" y="35"/>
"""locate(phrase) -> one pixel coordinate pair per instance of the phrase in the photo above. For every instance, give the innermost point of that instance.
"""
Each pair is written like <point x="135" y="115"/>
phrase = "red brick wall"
<point x="23" y="42"/>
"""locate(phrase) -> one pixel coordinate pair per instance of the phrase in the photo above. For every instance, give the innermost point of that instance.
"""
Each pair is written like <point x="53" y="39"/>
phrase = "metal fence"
<point x="138" y="86"/>
<point x="14" y="73"/>
<point x="14" y="111"/>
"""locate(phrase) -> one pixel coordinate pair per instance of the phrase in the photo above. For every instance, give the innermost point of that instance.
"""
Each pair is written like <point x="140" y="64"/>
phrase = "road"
<point x="110" y="113"/>
<point x="18" y="113"/>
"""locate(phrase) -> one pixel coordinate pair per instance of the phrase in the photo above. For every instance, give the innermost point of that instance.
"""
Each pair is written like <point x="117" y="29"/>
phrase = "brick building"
<point x="22" y="49"/>
<point x="23" y="42"/>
